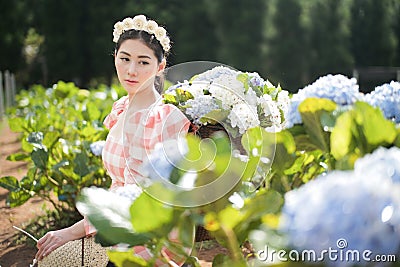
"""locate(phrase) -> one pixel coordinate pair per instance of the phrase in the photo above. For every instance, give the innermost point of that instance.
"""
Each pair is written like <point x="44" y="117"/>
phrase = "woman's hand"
<point x="54" y="239"/>
<point x="50" y="241"/>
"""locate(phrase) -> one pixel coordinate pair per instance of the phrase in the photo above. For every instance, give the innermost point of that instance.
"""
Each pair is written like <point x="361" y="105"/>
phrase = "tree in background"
<point x="287" y="49"/>
<point x="193" y="33"/>
<point x="290" y="42"/>
<point x="238" y="27"/>
<point x="372" y="36"/>
<point x="13" y="27"/>
<point x="329" y="38"/>
<point x="397" y="31"/>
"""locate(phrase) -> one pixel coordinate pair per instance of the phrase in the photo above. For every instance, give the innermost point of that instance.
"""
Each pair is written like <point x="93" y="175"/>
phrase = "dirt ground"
<point x="21" y="255"/>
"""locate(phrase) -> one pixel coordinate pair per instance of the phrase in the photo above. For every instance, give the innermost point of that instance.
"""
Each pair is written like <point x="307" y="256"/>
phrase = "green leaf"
<point x="10" y="183"/>
<point x="266" y="201"/>
<point x="110" y="216"/>
<point x="17" y="124"/>
<point x="91" y="113"/>
<point x="285" y="149"/>
<point x="230" y="217"/>
<point x="125" y="259"/>
<point x="18" y="197"/>
<point x="214" y="116"/>
<point x="341" y="137"/>
<point x="50" y="139"/>
<point x="182" y="96"/>
<point x="376" y="128"/>
<point x="192" y="261"/>
<point x="40" y="157"/>
<point x="152" y="213"/>
<point x="18" y="157"/>
<point x="170" y="99"/>
<point x="186" y="230"/>
<point x="311" y="111"/>
<point x="303" y="143"/>
<point x="81" y="164"/>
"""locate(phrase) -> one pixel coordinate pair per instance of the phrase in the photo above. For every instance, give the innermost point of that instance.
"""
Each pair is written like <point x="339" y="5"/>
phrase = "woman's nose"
<point x="132" y="69"/>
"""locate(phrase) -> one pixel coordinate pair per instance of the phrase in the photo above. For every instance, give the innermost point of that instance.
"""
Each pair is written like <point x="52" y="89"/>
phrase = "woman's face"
<point x="136" y="66"/>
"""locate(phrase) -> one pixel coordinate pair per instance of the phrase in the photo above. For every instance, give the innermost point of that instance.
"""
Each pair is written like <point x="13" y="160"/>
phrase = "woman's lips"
<point x="131" y="82"/>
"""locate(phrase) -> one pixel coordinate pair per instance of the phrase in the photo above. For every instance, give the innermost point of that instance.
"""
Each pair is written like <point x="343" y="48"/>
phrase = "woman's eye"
<point x="125" y="59"/>
<point x="144" y="63"/>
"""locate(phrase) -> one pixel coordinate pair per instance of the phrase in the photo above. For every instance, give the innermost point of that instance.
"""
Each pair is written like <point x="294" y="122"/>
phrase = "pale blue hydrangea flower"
<point x="129" y="191"/>
<point x="199" y="107"/>
<point x="215" y="73"/>
<point x="361" y="207"/>
<point x="342" y="90"/>
<point x="159" y="164"/>
<point x="387" y="98"/>
<point x="97" y="147"/>
<point x="382" y="160"/>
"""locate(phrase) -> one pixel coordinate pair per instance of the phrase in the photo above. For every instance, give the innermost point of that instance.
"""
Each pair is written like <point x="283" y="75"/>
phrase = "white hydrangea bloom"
<point x="228" y="98"/>
<point x="244" y="117"/>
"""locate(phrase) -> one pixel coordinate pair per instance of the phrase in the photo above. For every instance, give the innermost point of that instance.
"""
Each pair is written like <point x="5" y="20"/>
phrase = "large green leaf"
<point x="341" y="137"/>
<point x="376" y="128"/>
<point x="109" y="214"/>
<point x="266" y="201"/>
<point x="311" y="111"/>
<point x="125" y="259"/>
<point x="148" y="214"/>
<point x="359" y="131"/>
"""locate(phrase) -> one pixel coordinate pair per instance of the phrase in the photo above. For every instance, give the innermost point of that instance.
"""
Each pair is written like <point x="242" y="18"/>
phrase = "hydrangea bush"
<point x="387" y="98"/>
<point x="336" y="210"/>
<point x="241" y="99"/>
<point x="334" y="180"/>
<point x="342" y="90"/>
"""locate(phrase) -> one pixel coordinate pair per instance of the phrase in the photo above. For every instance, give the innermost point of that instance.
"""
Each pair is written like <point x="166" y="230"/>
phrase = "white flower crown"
<point x="140" y="23"/>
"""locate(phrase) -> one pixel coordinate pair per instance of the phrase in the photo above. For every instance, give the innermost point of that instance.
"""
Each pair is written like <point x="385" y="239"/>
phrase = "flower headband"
<point x="140" y="23"/>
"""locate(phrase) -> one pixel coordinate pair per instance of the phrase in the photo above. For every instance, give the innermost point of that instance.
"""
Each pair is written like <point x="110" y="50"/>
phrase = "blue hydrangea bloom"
<point x="382" y="160"/>
<point x="97" y="147"/>
<point x="129" y="191"/>
<point x="387" y="98"/>
<point x="162" y="160"/>
<point x="198" y="108"/>
<point x="342" y="90"/>
<point x="360" y="207"/>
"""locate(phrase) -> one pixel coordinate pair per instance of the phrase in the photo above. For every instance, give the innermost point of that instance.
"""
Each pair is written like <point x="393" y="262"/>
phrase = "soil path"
<point x="21" y="255"/>
<point x="11" y="254"/>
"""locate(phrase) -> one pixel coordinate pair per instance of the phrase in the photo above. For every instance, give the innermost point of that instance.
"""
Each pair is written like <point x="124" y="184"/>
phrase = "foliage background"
<point x="291" y="42"/>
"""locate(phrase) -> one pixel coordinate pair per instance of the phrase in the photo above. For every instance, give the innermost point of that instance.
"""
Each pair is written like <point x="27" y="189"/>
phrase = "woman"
<point x="140" y="59"/>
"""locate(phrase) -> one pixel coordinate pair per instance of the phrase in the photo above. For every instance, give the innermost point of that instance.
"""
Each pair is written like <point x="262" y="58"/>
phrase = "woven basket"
<point x="202" y="234"/>
<point x="70" y="255"/>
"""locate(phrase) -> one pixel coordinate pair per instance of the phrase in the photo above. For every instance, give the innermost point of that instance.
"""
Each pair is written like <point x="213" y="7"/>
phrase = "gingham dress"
<point x="132" y="137"/>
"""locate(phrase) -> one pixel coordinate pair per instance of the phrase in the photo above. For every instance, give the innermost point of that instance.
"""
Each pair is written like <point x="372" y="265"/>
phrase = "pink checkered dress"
<point x="132" y="137"/>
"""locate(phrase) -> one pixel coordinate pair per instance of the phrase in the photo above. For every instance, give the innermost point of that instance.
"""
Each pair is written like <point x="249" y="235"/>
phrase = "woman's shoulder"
<point x="118" y="107"/>
<point x="157" y="114"/>
<point x="162" y="111"/>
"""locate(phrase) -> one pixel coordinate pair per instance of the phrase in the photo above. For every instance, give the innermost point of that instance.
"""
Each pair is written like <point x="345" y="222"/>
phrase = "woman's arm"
<point x="54" y="239"/>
